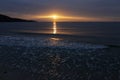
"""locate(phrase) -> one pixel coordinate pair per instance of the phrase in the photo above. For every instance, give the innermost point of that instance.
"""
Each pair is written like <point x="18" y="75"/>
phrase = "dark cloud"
<point x="90" y="8"/>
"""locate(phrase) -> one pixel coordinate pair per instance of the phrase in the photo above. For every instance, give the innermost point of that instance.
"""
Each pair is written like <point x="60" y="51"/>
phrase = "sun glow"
<point x="54" y="23"/>
<point x="64" y="18"/>
<point x="55" y="17"/>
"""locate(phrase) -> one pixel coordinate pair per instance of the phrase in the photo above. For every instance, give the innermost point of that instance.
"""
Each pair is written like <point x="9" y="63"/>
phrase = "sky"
<point x="89" y="10"/>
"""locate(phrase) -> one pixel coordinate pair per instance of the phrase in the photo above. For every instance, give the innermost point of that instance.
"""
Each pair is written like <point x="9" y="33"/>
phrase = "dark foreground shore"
<point x="29" y="58"/>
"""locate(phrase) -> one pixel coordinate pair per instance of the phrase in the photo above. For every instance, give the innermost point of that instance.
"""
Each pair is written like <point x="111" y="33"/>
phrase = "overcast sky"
<point x="105" y="9"/>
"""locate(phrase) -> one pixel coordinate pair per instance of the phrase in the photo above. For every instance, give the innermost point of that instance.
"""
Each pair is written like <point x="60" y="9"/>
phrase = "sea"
<point x="107" y="33"/>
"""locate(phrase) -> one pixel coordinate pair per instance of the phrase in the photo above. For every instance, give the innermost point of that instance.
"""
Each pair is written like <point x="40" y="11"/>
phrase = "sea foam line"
<point x="45" y="42"/>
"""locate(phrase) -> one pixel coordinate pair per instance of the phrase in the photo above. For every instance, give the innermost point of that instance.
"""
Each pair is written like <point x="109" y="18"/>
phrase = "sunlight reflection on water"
<point x="54" y="27"/>
<point x="55" y="41"/>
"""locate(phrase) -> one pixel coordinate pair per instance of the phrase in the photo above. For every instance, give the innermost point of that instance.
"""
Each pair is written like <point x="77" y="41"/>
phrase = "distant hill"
<point x="4" y="18"/>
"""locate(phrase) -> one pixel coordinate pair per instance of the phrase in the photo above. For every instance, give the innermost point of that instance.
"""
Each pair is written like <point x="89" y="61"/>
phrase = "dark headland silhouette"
<point x="4" y="18"/>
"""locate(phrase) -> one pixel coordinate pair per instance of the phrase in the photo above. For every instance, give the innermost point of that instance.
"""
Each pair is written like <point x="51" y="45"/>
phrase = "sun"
<point x="54" y="16"/>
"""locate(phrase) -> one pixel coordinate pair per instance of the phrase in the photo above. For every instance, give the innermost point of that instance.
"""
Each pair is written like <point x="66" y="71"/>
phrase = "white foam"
<point x="45" y="42"/>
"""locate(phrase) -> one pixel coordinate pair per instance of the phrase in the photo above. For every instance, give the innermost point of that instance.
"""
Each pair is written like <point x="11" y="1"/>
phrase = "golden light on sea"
<point x="58" y="18"/>
<point x="54" y="27"/>
<point x="54" y="23"/>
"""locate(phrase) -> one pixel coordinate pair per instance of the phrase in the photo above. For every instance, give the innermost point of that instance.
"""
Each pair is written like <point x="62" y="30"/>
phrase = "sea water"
<point x="94" y="32"/>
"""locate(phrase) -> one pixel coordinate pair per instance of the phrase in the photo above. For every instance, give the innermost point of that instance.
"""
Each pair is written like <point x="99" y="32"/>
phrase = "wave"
<point x="43" y="41"/>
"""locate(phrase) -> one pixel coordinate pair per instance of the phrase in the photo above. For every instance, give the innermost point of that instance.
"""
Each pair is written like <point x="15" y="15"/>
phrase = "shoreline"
<point x="83" y="39"/>
<point x="46" y="41"/>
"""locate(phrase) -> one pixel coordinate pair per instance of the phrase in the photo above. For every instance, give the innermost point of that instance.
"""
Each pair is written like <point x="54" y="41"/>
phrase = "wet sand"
<point x="44" y="58"/>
